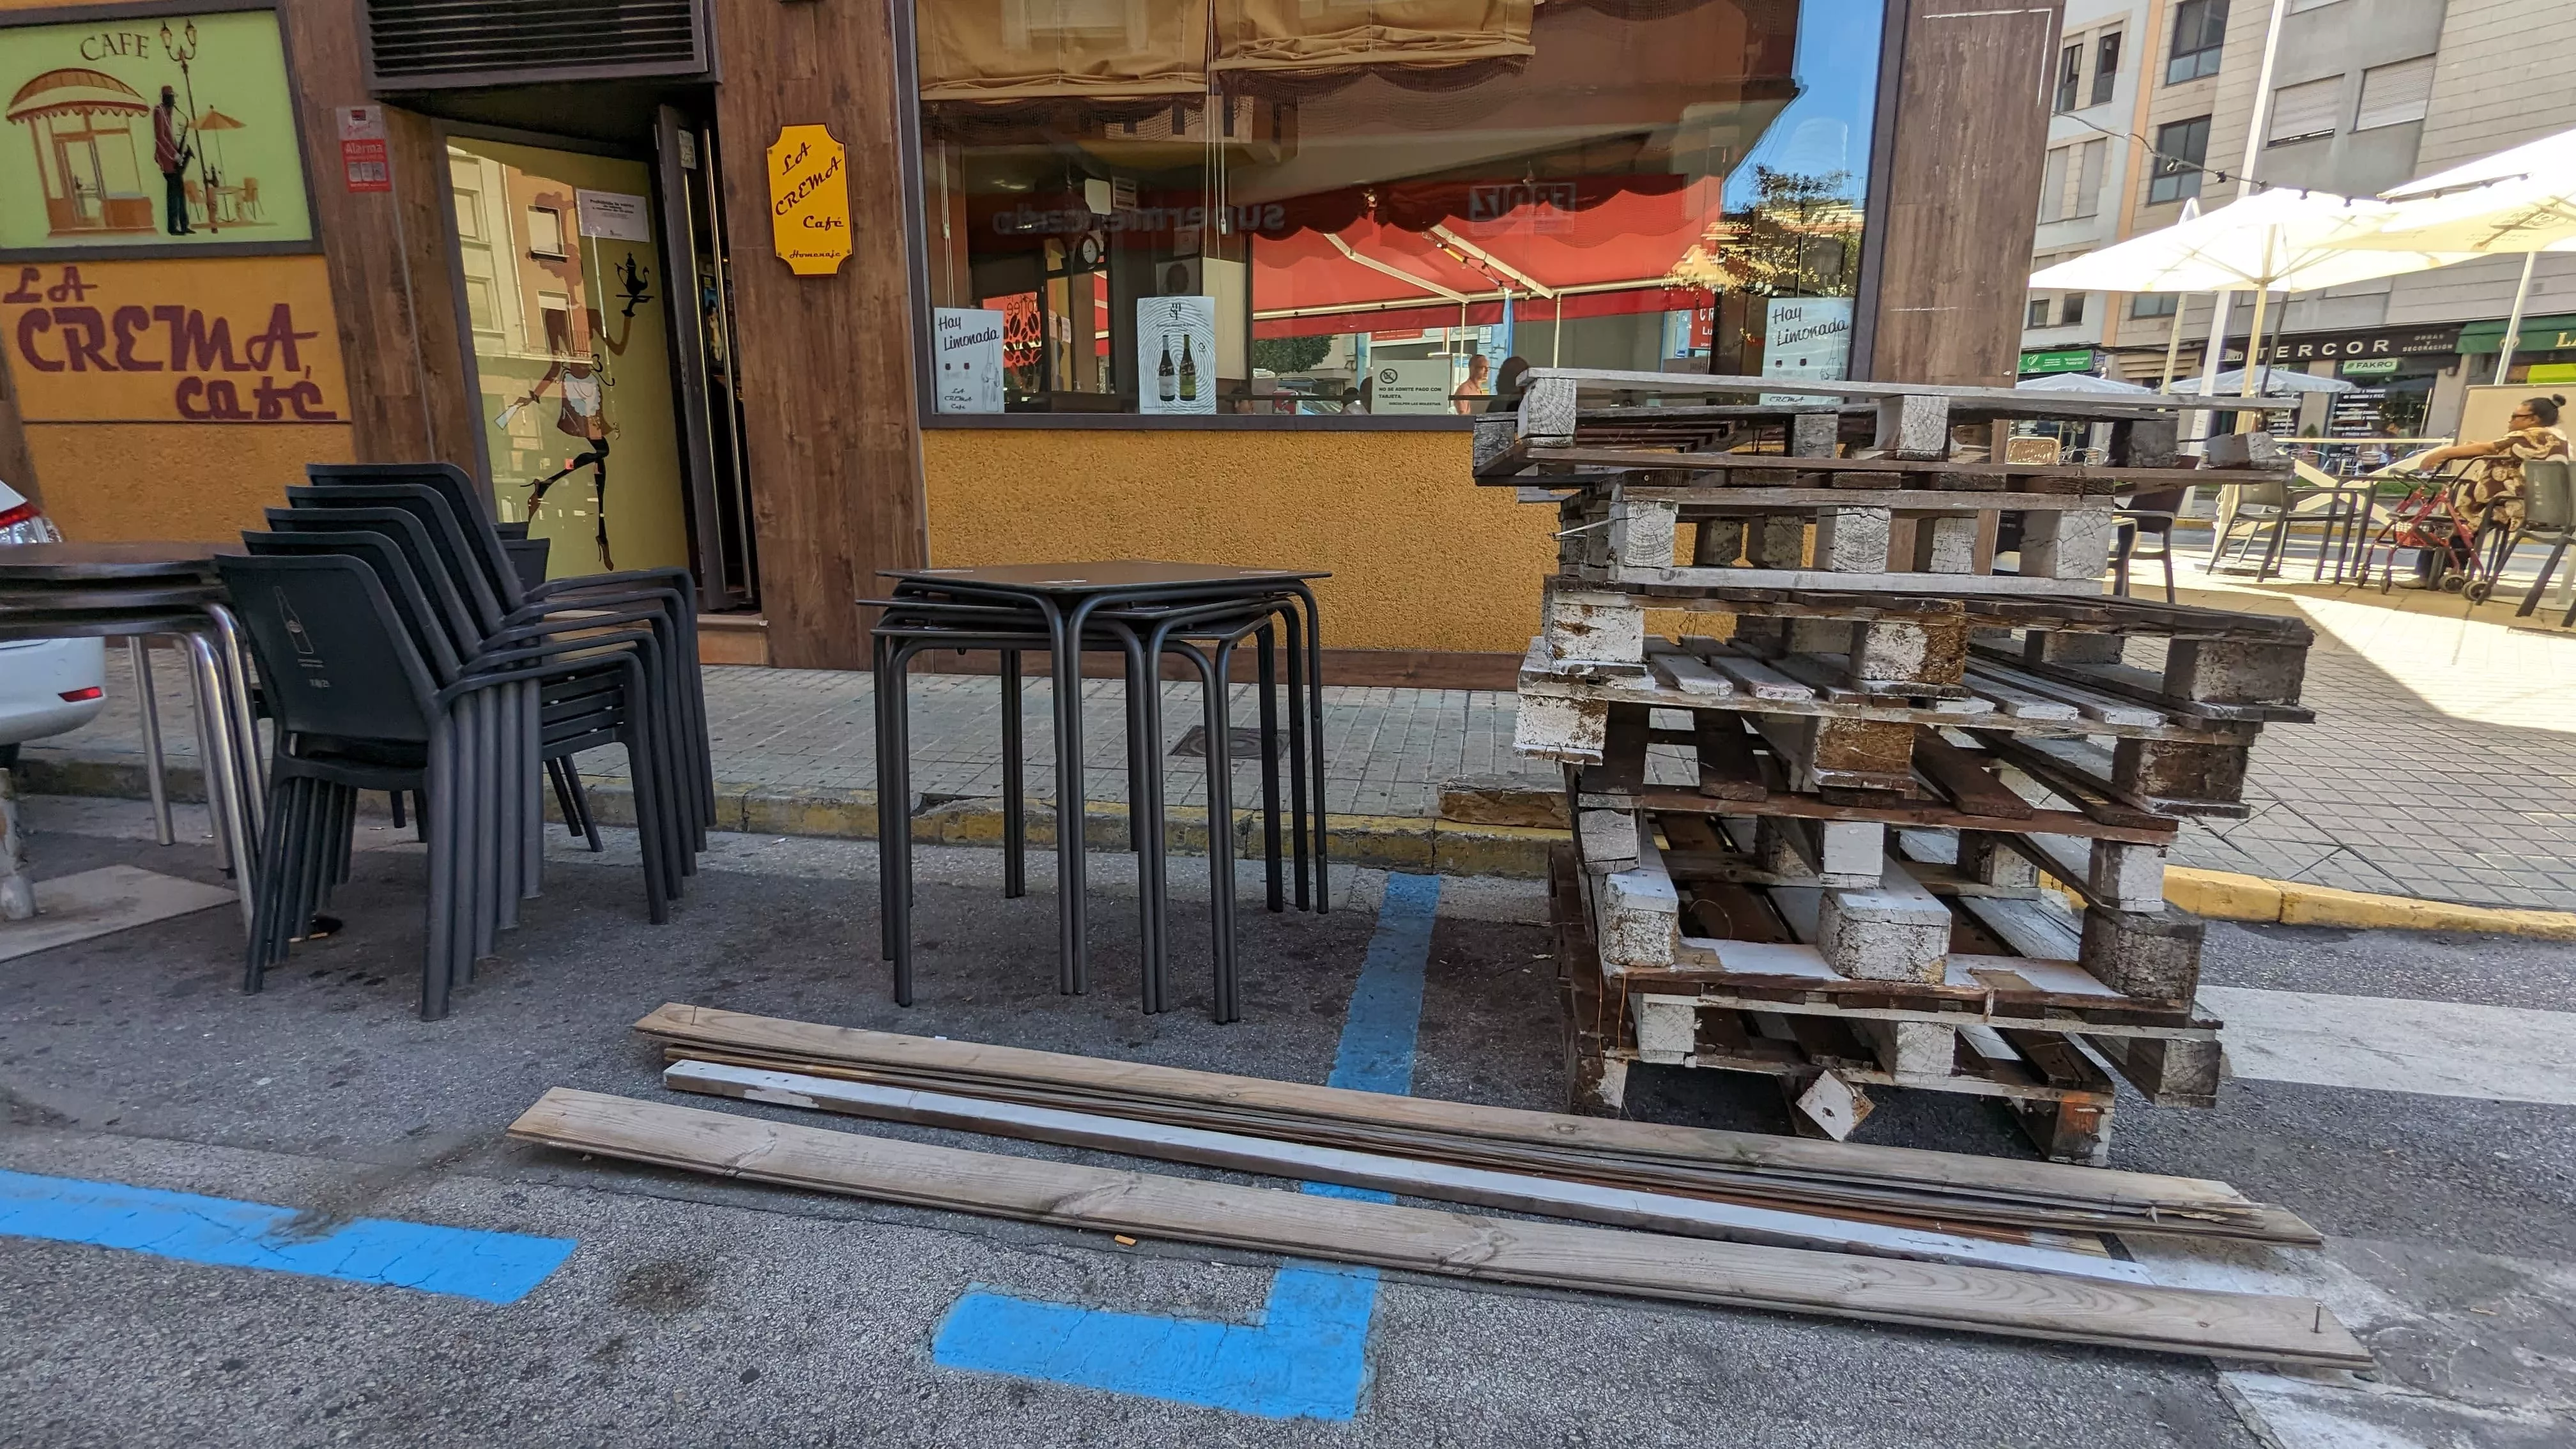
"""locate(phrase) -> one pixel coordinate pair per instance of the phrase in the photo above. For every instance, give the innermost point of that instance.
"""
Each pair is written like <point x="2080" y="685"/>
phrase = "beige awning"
<point x="1012" y="50"/>
<point x="1330" y="35"/>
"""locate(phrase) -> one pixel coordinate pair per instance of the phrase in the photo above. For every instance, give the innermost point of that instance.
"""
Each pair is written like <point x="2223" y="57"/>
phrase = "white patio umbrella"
<point x="2076" y="382"/>
<point x="2277" y="381"/>
<point x="2280" y="240"/>
<point x="2518" y="200"/>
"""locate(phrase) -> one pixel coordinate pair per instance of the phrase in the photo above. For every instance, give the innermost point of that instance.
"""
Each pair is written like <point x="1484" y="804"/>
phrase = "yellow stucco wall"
<point x="1421" y="558"/>
<point x="105" y="482"/>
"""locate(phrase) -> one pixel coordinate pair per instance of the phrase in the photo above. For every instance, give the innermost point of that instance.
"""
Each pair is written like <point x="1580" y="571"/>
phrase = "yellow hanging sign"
<point x="809" y="201"/>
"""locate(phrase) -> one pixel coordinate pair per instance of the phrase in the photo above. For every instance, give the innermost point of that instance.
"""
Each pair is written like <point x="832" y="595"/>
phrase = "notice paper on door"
<point x="614" y="215"/>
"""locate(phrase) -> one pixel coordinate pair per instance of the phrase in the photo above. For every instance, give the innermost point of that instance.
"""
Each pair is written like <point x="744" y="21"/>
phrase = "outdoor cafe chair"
<point x="448" y="625"/>
<point x="2266" y="510"/>
<point x="358" y="705"/>
<point x="484" y="591"/>
<point x="672" y="589"/>
<point x="312" y="535"/>
<point x="2548" y="516"/>
<point x="2148" y="515"/>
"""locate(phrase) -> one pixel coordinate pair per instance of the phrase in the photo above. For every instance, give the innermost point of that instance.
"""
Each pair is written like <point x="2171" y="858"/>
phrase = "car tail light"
<point x="76" y="696"/>
<point x="23" y="524"/>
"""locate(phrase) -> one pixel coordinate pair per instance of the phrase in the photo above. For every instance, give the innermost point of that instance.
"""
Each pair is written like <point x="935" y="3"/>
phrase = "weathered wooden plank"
<point x="1450" y="1244"/>
<point x="1965" y="779"/>
<point x="2040" y="402"/>
<point x="1921" y="814"/>
<point x="802" y="1041"/>
<point x="1612" y="1206"/>
<point x="1788" y="578"/>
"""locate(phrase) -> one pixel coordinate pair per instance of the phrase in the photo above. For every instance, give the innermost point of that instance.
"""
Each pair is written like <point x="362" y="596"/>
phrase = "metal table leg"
<point x="220" y="765"/>
<point x="138" y="653"/>
<point x="1269" y="684"/>
<point x="1315" y="722"/>
<point x="1015" y="826"/>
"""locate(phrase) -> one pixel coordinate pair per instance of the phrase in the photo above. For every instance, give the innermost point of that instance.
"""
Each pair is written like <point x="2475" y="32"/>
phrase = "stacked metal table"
<point x="135" y="591"/>
<point x="1141" y="610"/>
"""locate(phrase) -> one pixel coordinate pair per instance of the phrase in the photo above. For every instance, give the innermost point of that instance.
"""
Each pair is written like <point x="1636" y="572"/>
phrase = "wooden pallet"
<point x="1825" y="1066"/>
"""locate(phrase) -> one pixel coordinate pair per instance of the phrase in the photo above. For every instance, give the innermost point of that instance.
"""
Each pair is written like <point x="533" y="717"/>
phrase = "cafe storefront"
<point x="739" y="287"/>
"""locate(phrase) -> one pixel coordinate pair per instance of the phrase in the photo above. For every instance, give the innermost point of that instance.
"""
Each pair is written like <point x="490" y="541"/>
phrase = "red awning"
<point x="1622" y="245"/>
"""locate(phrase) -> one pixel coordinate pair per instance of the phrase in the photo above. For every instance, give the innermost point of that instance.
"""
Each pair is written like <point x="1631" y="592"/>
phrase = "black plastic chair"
<point x="425" y="537"/>
<point x="358" y="706"/>
<point x="479" y="598"/>
<point x="294" y="534"/>
<point x="482" y="537"/>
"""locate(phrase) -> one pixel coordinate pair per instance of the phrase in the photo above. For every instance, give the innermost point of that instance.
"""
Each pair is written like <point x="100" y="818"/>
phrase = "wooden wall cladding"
<point x="828" y="402"/>
<point x="391" y="289"/>
<point x="1971" y="128"/>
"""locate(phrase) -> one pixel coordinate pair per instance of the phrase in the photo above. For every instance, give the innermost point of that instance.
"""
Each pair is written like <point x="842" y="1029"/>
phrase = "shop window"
<point x="2106" y="66"/>
<point x="2181" y="147"/>
<point x="1340" y="207"/>
<point x="2154" y="304"/>
<point x="2199" y="32"/>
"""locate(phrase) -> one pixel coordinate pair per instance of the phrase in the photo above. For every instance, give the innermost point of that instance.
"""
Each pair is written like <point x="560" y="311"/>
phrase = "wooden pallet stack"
<point x="1893" y="744"/>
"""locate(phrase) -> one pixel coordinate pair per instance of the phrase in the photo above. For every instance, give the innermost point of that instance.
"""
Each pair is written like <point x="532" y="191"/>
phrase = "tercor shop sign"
<point x="2440" y="340"/>
<point x="185" y="340"/>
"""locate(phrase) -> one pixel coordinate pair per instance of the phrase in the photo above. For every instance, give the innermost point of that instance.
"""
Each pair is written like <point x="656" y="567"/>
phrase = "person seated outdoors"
<point x="2490" y="489"/>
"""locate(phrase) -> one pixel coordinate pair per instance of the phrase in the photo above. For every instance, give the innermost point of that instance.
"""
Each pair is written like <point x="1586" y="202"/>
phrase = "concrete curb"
<point x="2225" y="896"/>
<point x="1384" y="842"/>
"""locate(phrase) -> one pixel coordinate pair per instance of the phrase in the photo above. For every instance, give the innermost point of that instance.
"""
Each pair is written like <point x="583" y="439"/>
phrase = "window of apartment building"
<point x="2154" y="304"/>
<point x="2037" y="314"/>
<point x="2181" y="147"/>
<point x="2070" y="76"/>
<point x="2200" y="29"/>
<point x="1237" y="207"/>
<point x="2070" y="311"/>
<point x="2106" y="66"/>
<point x="2304" y="111"/>
<point x="2394" y="94"/>
<point x="2070" y="181"/>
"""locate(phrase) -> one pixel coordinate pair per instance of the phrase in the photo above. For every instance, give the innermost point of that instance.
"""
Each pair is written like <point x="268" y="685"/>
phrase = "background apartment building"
<point x="2365" y="94"/>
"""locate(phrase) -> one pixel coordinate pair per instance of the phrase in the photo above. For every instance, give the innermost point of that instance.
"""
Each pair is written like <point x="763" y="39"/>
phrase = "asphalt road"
<point x="695" y="1311"/>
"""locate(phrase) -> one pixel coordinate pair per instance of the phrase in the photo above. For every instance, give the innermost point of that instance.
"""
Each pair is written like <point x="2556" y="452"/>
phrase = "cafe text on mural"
<point x="174" y="341"/>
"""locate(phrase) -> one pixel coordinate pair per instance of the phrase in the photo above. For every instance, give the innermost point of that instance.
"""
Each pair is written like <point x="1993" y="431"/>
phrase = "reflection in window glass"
<point x="1341" y="206"/>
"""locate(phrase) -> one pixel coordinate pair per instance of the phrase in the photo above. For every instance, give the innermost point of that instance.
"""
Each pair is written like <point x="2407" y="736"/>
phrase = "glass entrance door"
<point x="567" y="297"/>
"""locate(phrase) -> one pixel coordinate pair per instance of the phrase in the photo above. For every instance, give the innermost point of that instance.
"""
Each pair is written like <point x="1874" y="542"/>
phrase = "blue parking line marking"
<point x="192" y="1228"/>
<point x="1306" y="1354"/>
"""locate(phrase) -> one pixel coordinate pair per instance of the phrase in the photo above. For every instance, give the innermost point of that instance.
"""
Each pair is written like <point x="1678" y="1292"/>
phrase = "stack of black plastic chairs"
<point x="402" y="648"/>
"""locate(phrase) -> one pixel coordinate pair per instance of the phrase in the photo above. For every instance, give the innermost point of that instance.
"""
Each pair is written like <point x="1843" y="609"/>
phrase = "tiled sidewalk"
<point x="2442" y="765"/>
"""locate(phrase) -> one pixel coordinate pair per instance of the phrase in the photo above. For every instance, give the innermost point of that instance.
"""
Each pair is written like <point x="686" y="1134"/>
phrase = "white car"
<point x="47" y="686"/>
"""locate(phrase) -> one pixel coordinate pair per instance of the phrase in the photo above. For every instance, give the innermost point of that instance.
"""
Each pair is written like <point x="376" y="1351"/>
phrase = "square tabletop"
<point x="91" y="563"/>
<point x="1102" y="575"/>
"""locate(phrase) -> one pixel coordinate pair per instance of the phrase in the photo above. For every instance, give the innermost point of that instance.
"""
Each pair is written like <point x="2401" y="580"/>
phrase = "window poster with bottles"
<point x="156" y="130"/>
<point x="1177" y="354"/>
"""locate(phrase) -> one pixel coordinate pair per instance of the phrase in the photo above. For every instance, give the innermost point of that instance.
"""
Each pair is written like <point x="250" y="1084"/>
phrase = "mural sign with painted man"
<point x="152" y="131"/>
